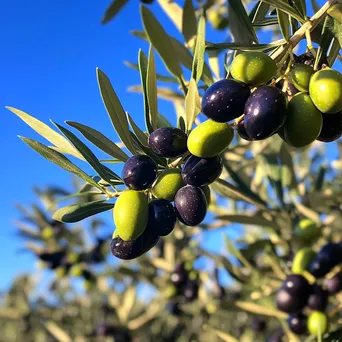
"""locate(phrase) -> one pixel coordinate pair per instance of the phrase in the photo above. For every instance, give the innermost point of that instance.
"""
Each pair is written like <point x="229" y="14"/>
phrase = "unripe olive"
<point x="253" y="67"/>
<point x="47" y="233"/>
<point x="300" y="76"/>
<point x="209" y="139"/>
<point x="131" y="214"/>
<point x="218" y="21"/>
<point x="167" y="184"/>
<point x="326" y="90"/>
<point x="317" y="323"/>
<point x="302" y="260"/>
<point x="304" y="121"/>
<point x="307" y="230"/>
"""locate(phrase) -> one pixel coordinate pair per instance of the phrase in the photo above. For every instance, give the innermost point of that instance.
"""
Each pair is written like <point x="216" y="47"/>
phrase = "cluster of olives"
<point x="144" y="212"/>
<point x="297" y="294"/>
<point x="310" y="108"/>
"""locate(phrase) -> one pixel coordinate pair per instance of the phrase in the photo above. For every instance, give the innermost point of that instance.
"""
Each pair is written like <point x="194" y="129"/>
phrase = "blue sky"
<point x="50" y="52"/>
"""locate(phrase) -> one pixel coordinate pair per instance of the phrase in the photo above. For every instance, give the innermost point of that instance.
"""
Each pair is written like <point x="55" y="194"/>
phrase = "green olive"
<point x="170" y="291"/>
<point x="317" y="323"/>
<point x="217" y="20"/>
<point x="209" y="139"/>
<point x="304" y="121"/>
<point x="326" y="90"/>
<point x="47" y="233"/>
<point x="253" y="67"/>
<point x="302" y="260"/>
<point x="167" y="184"/>
<point x="307" y="230"/>
<point x="300" y="76"/>
<point x="207" y="194"/>
<point x="76" y="270"/>
<point x="131" y="214"/>
<point x="61" y="272"/>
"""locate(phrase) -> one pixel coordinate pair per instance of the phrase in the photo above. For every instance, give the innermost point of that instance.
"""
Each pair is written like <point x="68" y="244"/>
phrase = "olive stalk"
<point x="308" y="26"/>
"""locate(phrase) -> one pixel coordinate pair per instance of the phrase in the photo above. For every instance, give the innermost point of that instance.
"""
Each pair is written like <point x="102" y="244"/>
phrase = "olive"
<point x="225" y="100"/>
<point x="131" y="214"/>
<point x="334" y="284"/>
<point x="253" y="67"/>
<point x="174" y="309"/>
<point x="139" y="172"/>
<point x="179" y="276"/>
<point x="128" y="250"/>
<point x="297" y="323"/>
<point x="331" y="251"/>
<point x="304" y="121"/>
<point x="318" y="298"/>
<point x="191" y="205"/>
<point x="308" y="58"/>
<point x="190" y="290"/>
<point x="162" y="217"/>
<point x="326" y="90"/>
<point x="296" y="285"/>
<point x="319" y="267"/>
<point x="217" y="20"/>
<point x="167" y="184"/>
<point x="201" y="171"/>
<point x="291" y="89"/>
<point x="241" y="130"/>
<point x="300" y="76"/>
<point x="302" y="260"/>
<point x="289" y="303"/>
<point x="209" y="139"/>
<point x="265" y="112"/>
<point x="258" y="325"/>
<point x="317" y="323"/>
<point x="307" y="230"/>
<point x="168" y="142"/>
<point x="331" y="128"/>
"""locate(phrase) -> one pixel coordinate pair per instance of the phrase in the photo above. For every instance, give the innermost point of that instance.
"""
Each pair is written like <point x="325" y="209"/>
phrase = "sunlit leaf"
<point x="192" y="104"/>
<point x="151" y="87"/>
<point x="189" y="23"/>
<point x="244" y="47"/>
<point x="198" y="62"/>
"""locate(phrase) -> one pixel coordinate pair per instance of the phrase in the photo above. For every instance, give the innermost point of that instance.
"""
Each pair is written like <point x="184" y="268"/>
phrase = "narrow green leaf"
<point x="189" y="23"/>
<point x="99" y="140"/>
<point x="161" y="41"/>
<point x="77" y="212"/>
<point x="266" y="22"/>
<point x="142" y="137"/>
<point x="198" y="61"/>
<point x="284" y="24"/>
<point x="163" y="93"/>
<point x="244" y="47"/>
<point x="113" y="10"/>
<point x="151" y="85"/>
<point x="163" y="122"/>
<point x="236" y="253"/>
<point x="300" y="6"/>
<point x="88" y="155"/>
<point x="260" y="309"/>
<point x="47" y="132"/>
<point x="60" y="160"/>
<point x="57" y="332"/>
<point x="192" y="104"/>
<point x="326" y="39"/>
<point x="239" y="23"/>
<point x="285" y="7"/>
<point x="254" y="220"/>
<point x="259" y="12"/>
<point x="334" y="52"/>
<point x="114" y="109"/>
<point x="221" y="334"/>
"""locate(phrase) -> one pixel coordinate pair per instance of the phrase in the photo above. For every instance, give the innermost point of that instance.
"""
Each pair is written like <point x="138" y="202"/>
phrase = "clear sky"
<point x="50" y="50"/>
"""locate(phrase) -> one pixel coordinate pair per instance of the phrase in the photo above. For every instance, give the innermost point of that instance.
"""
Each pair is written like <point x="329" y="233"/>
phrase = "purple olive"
<point x="297" y="323"/>
<point x="289" y="303"/>
<point x="334" y="284"/>
<point x="332" y="127"/>
<point x="242" y="131"/>
<point x="162" y="216"/>
<point x="296" y="285"/>
<point x="318" y="298"/>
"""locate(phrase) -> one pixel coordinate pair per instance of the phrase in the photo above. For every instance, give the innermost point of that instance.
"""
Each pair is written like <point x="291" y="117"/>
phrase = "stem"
<point x="176" y="162"/>
<point x="309" y="25"/>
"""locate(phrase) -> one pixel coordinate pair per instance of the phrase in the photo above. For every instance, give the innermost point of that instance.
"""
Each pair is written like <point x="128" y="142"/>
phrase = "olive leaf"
<point x="162" y="92"/>
<point x="221" y="334"/>
<point x="77" y="212"/>
<point x="198" y="61"/>
<point x="259" y="12"/>
<point x="57" y="332"/>
<point x="151" y="87"/>
<point x="192" y="104"/>
<point x="99" y="140"/>
<point x="286" y="8"/>
<point x="244" y="47"/>
<point x="114" y="109"/>
<point x="284" y="24"/>
<point x="189" y="23"/>
<point x="114" y="8"/>
<point x="60" y="160"/>
<point x="260" y="309"/>
<point x="46" y="132"/>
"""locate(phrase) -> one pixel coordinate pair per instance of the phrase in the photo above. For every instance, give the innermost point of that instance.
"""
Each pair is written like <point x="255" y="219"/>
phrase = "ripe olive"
<point x="225" y="100"/>
<point x="258" y="325"/>
<point x="168" y="142"/>
<point x="300" y="76"/>
<point x="139" y="172"/>
<point x="201" y="171"/>
<point x="209" y="139"/>
<point x="162" y="217"/>
<point x="302" y="260"/>
<point x="265" y="112"/>
<point x="253" y="67"/>
<point x="332" y="127"/>
<point x="191" y="290"/>
<point x="307" y="230"/>
<point x="304" y="121"/>
<point x="317" y="323"/>
<point x="179" y="275"/>
<point x="131" y="214"/>
<point x="296" y="285"/>
<point x="334" y="284"/>
<point x="297" y="323"/>
<point x="289" y="303"/>
<point x="167" y="184"/>
<point x="318" y="298"/>
<point x="191" y="205"/>
<point x="241" y="130"/>
<point x="326" y="90"/>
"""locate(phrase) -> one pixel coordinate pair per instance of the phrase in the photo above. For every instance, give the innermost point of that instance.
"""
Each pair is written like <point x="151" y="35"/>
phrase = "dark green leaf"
<point x="300" y="6"/>
<point x="326" y="39"/>
<point x="151" y="85"/>
<point x="113" y="10"/>
<point x="259" y="12"/>
<point x="142" y="137"/>
<point x="60" y="160"/>
<point x="189" y="23"/>
<point x="285" y="7"/>
<point x="284" y="24"/>
<point x="198" y="61"/>
<point x="163" y="122"/>
<point x="88" y="155"/>
<point x="266" y="22"/>
<point x="100" y="140"/>
<point x="244" y="47"/>
<point x="77" y="212"/>
<point x="161" y="41"/>
<point x="334" y="52"/>
<point x="115" y="111"/>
